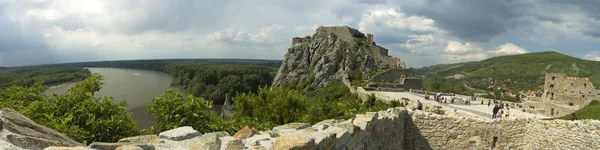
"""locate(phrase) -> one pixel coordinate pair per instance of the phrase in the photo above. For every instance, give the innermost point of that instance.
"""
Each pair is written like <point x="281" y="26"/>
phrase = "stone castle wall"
<point x="548" y="109"/>
<point x="562" y="89"/>
<point x="394" y="128"/>
<point x="300" y="40"/>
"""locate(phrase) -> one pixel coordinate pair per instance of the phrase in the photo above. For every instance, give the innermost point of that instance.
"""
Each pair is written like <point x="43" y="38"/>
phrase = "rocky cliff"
<point x="325" y="55"/>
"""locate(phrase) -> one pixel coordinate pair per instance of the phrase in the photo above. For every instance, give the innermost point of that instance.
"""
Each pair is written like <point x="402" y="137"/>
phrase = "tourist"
<point x="419" y="106"/>
<point x="507" y="112"/>
<point x="573" y="117"/>
<point x="452" y="100"/>
<point x="501" y="112"/>
<point x="494" y="111"/>
<point x="489" y="102"/>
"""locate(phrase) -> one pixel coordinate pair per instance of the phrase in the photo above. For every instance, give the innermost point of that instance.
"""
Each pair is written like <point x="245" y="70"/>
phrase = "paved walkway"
<point x="475" y="109"/>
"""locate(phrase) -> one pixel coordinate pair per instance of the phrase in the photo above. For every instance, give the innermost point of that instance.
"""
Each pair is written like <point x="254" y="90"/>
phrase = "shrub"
<point x="172" y="111"/>
<point x="77" y="113"/>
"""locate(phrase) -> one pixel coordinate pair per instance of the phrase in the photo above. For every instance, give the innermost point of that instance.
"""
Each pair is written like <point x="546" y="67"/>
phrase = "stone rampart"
<point x="548" y="109"/>
<point x="394" y="128"/>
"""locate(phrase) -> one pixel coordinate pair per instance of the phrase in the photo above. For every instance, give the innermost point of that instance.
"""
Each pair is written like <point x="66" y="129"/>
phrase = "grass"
<point x="591" y="111"/>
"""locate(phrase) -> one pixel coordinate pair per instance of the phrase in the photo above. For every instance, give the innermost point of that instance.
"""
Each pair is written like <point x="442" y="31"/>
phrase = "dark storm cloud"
<point x="480" y="21"/>
<point x="12" y="38"/>
<point x="471" y="20"/>
<point x="167" y="16"/>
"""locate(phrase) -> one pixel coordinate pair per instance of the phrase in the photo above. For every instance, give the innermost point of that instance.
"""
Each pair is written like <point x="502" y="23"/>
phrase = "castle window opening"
<point x="551" y="85"/>
<point x="552" y="94"/>
<point x="553" y="77"/>
<point x="585" y="85"/>
<point x="572" y="84"/>
<point x="582" y="95"/>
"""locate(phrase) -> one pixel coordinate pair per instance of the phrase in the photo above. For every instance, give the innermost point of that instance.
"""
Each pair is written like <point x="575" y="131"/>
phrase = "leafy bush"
<point x="77" y="113"/>
<point x="276" y="106"/>
<point x="172" y="111"/>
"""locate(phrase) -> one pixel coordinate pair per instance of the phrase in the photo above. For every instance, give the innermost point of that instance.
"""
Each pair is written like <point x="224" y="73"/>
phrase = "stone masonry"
<point x="562" y="89"/>
<point x="394" y="128"/>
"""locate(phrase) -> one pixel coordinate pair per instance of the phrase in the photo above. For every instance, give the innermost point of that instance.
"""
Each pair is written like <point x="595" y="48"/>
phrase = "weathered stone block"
<point x="65" y="148"/>
<point x="291" y="126"/>
<point x="181" y="133"/>
<point x="236" y="144"/>
<point x="140" y="139"/>
<point x="246" y="132"/>
<point x="303" y="141"/>
<point x="209" y="141"/>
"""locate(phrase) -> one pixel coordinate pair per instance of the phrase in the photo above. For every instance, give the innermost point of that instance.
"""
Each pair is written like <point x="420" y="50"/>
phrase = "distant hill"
<point x="516" y="72"/>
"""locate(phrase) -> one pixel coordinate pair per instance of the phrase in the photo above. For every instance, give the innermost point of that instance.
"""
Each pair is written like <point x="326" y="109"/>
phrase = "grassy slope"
<point x="591" y="111"/>
<point x="527" y="69"/>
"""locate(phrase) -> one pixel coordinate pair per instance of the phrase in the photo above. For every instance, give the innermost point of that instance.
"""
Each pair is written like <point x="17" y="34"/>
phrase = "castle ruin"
<point x="349" y="34"/>
<point x="573" y="91"/>
<point x="562" y="95"/>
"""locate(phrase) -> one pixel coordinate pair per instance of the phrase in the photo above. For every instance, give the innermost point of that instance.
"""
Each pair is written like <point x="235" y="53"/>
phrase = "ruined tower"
<point x="562" y="89"/>
<point x="370" y="39"/>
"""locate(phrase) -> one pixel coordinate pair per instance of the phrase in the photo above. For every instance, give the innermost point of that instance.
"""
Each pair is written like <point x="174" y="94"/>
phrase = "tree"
<point x="173" y="111"/>
<point x="77" y="113"/>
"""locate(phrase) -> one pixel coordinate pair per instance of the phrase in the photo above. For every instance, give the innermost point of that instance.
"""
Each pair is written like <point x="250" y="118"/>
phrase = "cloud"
<point x="508" y="49"/>
<point x="455" y="47"/>
<point x="593" y="55"/>
<point x="421" y="32"/>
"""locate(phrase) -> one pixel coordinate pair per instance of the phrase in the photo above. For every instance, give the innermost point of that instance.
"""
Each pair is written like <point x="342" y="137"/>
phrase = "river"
<point x="135" y="86"/>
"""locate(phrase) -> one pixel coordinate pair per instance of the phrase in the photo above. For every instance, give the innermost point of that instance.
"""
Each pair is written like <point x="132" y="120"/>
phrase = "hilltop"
<point x="314" y="61"/>
<point x="515" y="72"/>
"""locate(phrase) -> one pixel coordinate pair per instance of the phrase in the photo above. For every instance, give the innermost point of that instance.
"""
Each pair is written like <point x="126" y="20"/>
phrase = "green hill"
<point x="516" y="72"/>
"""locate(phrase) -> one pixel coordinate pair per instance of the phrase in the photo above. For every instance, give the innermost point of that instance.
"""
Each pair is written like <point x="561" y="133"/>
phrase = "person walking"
<point x="419" y="105"/>
<point x="494" y="111"/>
<point x="573" y="117"/>
<point x="507" y="112"/>
<point x="489" y="102"/>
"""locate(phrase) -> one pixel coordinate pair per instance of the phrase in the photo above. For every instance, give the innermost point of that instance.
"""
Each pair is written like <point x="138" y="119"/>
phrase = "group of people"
<point x="440" y="99"/>
<point x="499" y="110"/>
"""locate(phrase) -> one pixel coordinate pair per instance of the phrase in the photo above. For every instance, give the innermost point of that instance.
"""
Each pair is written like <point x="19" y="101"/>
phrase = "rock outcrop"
<point x="20" y="132"/>
<point x="329" y="52"/>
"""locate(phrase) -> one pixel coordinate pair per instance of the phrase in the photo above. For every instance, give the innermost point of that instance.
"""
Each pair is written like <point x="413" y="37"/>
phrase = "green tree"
<point x="77" y="113"/>
<point x="173" y="111"/>
<point x="274" y="106"/>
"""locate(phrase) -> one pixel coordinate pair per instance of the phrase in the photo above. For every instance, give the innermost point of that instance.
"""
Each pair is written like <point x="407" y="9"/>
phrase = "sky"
<point x="419" y="32"/>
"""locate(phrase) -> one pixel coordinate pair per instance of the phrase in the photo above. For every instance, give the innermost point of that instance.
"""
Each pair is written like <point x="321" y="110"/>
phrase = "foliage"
<point x="590" y="111"/>
<point x="371" y="99"/>
<point x="172" y="111"/>
<point x="50" y="75"/>
<point x="274" y="106"/>
<point x="263" y="110"/>
<point x="77" y="113"/>
<point x="516" y="72"/>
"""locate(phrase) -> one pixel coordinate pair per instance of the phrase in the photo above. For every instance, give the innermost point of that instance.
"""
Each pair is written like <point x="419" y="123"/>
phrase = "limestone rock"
<point x="140" y="139"/>
<point x="65" y="148"/>
<point x="181" y="133"/>
<point x="22" y="132"/>
<point x="129" y="147"/>
<point x="295" y="141"/>
<point x="246" y="132"/>
<point x="209" y="141"/>
<point x="107" y="146"/>
<point x="291" y="126"/>
<point x="236" y="144"/>
<point x="330" y="52"/>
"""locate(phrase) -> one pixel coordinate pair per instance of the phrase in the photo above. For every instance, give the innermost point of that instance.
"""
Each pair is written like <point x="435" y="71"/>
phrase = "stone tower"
<point x="370" y="39"/>
<point x="562" y="89"/>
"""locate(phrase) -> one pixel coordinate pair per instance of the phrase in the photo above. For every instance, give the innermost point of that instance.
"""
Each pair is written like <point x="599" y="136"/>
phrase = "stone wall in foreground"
<point x="395" y="128"/>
